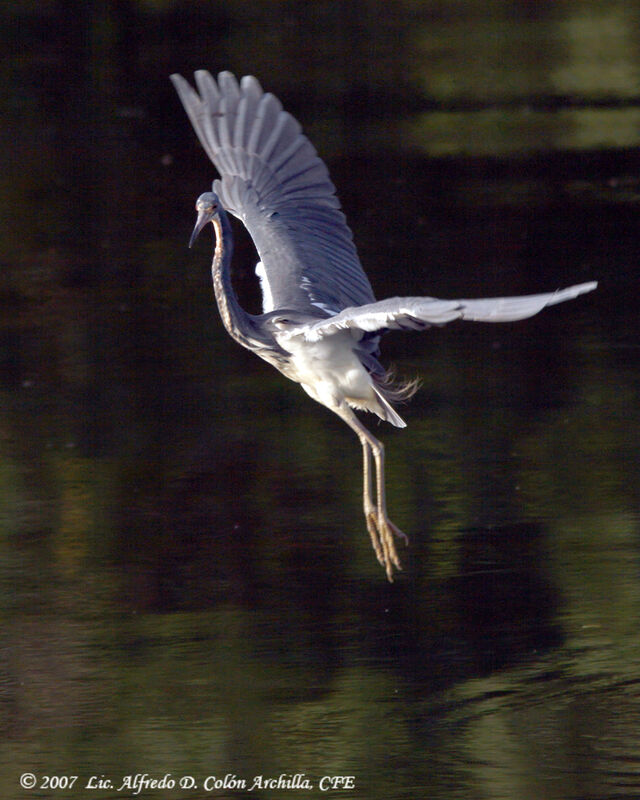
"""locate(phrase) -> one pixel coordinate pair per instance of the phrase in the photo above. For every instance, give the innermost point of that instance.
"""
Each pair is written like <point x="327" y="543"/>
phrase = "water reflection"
<point x="202" y="597"/>
<point x="185" y="582"/>
<point x="523" y="130"/>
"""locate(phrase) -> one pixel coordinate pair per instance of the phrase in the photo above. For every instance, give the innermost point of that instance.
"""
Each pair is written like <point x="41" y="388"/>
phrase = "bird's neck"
<point x="234" y="318"/>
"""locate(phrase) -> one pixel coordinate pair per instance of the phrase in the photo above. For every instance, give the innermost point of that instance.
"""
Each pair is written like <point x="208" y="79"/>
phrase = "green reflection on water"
<point x="521" y="131"/>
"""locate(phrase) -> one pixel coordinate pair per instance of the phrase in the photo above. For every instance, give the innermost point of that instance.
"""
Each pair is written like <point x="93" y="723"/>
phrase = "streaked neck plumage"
<point x="235" y="319"/>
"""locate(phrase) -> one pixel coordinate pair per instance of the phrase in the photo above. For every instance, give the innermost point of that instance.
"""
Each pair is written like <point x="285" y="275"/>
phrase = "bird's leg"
<point x="370" y="510"/>
<point x="386" y="529"/>
<point x="381" y="529"/>
<point x="378" y="455"/>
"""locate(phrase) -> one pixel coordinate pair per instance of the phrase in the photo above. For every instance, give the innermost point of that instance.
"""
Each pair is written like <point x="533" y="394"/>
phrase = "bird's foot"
<point x="382" y="532"/>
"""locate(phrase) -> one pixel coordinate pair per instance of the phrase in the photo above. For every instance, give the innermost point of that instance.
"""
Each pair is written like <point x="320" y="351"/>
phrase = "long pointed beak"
<point x="204" y="216"/>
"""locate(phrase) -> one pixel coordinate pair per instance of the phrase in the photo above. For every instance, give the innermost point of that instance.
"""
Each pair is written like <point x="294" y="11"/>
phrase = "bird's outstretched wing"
<point x="274" y="181"/>
<point x="418" y="313"/>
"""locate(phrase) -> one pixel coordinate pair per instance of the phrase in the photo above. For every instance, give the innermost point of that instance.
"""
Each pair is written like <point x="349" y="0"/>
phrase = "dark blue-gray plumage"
<point x="321" y="324"/>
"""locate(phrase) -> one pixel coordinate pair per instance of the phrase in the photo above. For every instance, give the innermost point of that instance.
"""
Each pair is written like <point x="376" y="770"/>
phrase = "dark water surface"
<point x="186" y="581"/>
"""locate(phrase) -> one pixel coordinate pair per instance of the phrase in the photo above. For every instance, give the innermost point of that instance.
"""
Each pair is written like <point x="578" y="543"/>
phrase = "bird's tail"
<point x="390" y="390"/>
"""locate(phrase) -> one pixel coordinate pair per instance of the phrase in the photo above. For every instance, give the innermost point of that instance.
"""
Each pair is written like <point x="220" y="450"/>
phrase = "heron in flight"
<point x="321" y="324"/>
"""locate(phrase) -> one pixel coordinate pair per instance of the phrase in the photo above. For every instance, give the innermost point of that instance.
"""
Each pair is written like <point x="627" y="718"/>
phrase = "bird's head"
<point x="207" y="207"/>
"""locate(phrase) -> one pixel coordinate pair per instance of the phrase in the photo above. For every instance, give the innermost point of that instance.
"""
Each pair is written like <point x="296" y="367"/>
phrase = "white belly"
<point x="329" y="370"/>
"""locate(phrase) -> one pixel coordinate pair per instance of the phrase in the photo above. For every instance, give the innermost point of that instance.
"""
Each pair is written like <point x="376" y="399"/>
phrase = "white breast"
<point x="329" y="370"/>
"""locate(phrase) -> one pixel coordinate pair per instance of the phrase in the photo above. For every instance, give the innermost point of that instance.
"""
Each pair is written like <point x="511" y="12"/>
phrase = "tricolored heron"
<point x="321" y="324"/>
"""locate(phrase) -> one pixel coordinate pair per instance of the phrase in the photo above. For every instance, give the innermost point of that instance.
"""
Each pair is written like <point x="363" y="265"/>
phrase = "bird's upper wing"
<point x="273" y="180"/>
<point x="418" y="313"/>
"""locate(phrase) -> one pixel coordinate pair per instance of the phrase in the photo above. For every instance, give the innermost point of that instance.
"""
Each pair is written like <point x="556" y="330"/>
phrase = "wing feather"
<point x="418" y="313"/>
<point x="272" y="179"/>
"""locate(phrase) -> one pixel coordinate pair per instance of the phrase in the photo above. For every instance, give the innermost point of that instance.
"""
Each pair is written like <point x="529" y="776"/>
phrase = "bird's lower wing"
<point x="418" y="313"/>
